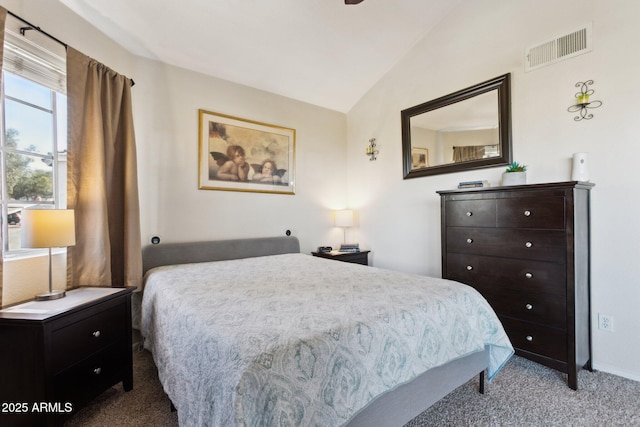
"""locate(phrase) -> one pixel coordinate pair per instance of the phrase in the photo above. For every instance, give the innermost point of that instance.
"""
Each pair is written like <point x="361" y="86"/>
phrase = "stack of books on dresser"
<point x="474" y="184"/>
<point x="350" y="247"/>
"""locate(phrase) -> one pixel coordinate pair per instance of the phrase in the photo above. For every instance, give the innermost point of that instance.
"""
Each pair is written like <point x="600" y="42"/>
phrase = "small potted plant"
<point x="516" y="174"/>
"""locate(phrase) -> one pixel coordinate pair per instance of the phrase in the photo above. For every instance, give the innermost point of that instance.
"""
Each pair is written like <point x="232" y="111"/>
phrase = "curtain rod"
<point x="38" y="29"/>
<point x="33" y="27"/>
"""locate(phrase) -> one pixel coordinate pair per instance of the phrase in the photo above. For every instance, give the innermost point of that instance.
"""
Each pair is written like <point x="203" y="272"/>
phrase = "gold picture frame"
<point x="244" y="155"/>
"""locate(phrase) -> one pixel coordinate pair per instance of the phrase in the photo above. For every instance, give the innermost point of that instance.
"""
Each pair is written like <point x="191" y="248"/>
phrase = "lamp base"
<point x="47" y="296"/>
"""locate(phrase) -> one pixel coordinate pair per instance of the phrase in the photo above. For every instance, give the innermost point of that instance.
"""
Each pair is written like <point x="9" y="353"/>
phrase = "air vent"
<point x="560" y="48"/>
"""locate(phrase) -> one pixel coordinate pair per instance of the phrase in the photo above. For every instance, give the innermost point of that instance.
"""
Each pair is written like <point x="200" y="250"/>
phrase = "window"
<point x="34" y="127"/>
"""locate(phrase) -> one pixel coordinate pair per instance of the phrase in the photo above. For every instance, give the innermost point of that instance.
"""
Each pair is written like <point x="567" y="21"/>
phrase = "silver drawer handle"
<point x="527" y="213"/>
<point x="97" y="371"/>
<point x="528" y="306"/>
<point x="469" y="241"/>
<point x="96" y="334"/>
<point x="469" y="213"/>
<point x="528" y="244"/>
<point x="528" y="275"/>
<point x="469" y="267"/>
<point x="529" y="338"/>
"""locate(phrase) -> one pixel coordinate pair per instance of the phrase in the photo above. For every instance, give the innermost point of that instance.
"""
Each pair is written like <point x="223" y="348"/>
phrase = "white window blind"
<point x="33" y="57"/>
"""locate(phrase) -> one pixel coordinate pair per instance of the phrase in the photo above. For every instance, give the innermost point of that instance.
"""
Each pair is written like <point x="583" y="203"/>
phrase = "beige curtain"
<point x="470" y="152"/>
<point x="102" y="183"/>
<point x="3" y="18"/>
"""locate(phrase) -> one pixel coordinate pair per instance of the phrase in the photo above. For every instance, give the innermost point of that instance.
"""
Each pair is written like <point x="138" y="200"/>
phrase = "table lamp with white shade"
<point x="48" y="228"/>
<point x="344" y="218"/>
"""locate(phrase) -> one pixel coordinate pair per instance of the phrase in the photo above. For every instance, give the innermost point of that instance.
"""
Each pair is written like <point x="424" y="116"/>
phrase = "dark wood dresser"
<point x="525" y="248"/>
<point x="58" y="355"/>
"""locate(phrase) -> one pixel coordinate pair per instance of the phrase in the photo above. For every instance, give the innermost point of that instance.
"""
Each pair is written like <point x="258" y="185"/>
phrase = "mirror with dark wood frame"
<point x="465" y="130"/>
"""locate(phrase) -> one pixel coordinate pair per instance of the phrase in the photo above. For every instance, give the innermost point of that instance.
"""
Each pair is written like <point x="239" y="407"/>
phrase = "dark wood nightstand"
<point x="361" y="257"/>
<point x="58" y="355"/>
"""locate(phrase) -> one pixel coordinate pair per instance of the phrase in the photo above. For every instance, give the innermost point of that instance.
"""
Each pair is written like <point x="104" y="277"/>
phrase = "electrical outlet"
<point x="605" y="322"/>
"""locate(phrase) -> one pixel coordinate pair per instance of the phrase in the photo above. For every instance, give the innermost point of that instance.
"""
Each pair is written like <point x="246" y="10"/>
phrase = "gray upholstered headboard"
<point x="217" y="250"/>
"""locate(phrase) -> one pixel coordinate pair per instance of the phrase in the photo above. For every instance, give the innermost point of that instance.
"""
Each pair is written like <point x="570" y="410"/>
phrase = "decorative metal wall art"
<point x="371" y="151"/>
<point x="584" y="102"/>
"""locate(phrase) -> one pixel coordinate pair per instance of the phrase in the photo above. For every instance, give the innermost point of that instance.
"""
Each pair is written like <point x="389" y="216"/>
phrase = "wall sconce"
<point x="584" y="102"/>
<point x="343" y="218"/>
<point x="371" y="149"/>
<point x="48" y="228"/>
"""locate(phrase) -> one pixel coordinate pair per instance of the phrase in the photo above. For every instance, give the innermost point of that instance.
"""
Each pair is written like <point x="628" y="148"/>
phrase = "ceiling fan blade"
<point x="352" y="1"/>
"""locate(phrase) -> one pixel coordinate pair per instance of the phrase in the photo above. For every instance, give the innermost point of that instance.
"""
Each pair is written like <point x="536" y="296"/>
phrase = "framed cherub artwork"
<point x="244" y="155"/>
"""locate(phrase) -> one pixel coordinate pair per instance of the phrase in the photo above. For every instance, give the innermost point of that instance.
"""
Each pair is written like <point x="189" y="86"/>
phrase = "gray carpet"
<point x="522" y="394"/>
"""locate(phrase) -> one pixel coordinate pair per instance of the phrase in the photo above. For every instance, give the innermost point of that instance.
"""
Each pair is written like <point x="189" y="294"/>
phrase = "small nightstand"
<point x="361" y="257"/>
<point x="58" y="355"/>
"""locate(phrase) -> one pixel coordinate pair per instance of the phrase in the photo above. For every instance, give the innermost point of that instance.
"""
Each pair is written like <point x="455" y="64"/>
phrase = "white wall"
<point x="167" y="100"/>
<point x="400" y="220"/>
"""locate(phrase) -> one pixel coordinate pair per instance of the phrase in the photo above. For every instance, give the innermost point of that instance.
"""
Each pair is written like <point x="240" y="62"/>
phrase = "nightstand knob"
<point x="469" y="267"/>
<point x="528" y="244"/>
<point x="527" y="213"/>
<point x="97" y="371"/>
<point x="96" y="334"/>
<point x="469" y="240"/>
<point x="528" y="306"/>
<point x="529" y="338"/>
<point x="469" y="213"/>
<point x="528" y="275"/>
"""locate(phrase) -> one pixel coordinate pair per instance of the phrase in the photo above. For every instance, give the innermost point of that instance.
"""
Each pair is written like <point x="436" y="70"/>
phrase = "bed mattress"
<point x="298" y="340"/>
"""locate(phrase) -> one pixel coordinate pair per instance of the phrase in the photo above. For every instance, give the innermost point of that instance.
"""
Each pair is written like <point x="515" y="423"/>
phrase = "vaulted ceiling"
<point x="318" y="51"/>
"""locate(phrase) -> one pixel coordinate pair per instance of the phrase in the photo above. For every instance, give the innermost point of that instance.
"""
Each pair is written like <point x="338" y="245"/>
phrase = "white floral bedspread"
<point x="295" y="340"/>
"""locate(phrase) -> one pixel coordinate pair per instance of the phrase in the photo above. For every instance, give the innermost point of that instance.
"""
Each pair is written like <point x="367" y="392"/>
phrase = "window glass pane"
<point x="35" y="125"/>
<point x="14" y="214"/>
<point x="29" y="178"/>
<point x="26" y="90"/>
<point x="34" y="128"/>
<point x="29" y="183"/>
<point x="61" y="115"/>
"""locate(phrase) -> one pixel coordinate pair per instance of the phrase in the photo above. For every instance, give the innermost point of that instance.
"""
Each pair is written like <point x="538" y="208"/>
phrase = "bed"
<point x="251" y="332"/>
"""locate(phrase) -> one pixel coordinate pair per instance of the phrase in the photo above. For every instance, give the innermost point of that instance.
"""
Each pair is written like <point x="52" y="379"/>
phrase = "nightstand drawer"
<point x="549" y="342"/>
<point x="87" y="334"/>
<point x="85" y="380"/>
<point x="531" y="212"/>
<point x="542" y="245"/>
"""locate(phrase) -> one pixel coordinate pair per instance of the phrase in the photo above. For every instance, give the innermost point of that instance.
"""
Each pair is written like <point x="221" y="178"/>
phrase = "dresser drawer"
<point x="87" y="334"/>
<point x="85" y="380"/>
<point x="546" y="341"/>
<point x="471" y="213"/>
<point x="530" y="307"/>
<point x="531" y="212"/>
<point x="495" y="274"/>
<point x="542" y="245"/>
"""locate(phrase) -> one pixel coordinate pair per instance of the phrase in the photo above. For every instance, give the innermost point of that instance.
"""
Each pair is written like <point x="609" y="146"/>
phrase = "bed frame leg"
<point x="481" y="382"/>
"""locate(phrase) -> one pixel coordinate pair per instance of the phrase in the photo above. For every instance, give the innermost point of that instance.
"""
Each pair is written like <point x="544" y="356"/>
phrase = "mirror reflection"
<point x="468" y="129"/>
